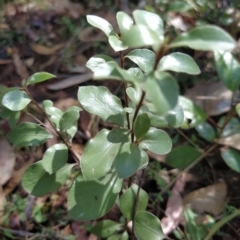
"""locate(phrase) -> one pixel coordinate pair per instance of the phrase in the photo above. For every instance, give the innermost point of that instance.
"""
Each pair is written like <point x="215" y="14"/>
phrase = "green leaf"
<point x="116" y="43"/>
<point x="141" y="125"/>
<point x="128" y="200"/>
<point x="134" y="94"/>
<point x="238" y="109"/>
<point x="206" y="38"/>
<point x="99" y="101"/>
<point x="28" y="134"/>
<point x="195" y="231"/>
<point x="68" y="122"/>
<point x="125" y="22"/>
<point x="182" y="156"/>
<point x="95" y="62"/>
<point x="15" y="100"/>
<point x="148" y="226"/>
<point x="157" y="141"/>
<point x="137" y="73"/>
<point x="144" y="58"/>
<point x="88" y="200"/>
<point x="179" y="6"/>
<point x="144" y="160"/>
<point x="14" y="118"/>
<point x="157" y="121"/>
<point x="175" y="117"/>
<point x="150" y="20"/>
<point x="163" y="91"/>
<point x="100" y="152"/>
<point x="206" y="131"/>
<point x="140" y="36"/>
<point x="232" y="158"/>
<point x="123" y="236"/>
<point x="228" y="69"/>
<point x="111" y="71"/>
<point x="39" y="77"/>
<point x="54" y="113"/>
<point x="38" y="182"/>
<point x="178" y="62"/>
<point x="191" y="111"/>
<point x="128" y="160"/>
<point x="55" y="158"/>
<point x="100" y="23"/>
<point x="106" y="228"/>
<point x="231" y="128"/>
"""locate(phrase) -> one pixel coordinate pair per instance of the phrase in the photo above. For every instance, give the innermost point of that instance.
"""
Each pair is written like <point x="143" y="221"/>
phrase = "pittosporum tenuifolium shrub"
<point x="152" y="101"/>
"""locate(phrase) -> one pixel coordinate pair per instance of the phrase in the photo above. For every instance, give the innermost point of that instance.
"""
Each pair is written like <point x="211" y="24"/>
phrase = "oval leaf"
<point x="163" y="91"/>
<point x="116" y="43"/>
<point x="106" y="228"/>
<point x="128" y="200"/>
<point x="206" y="131"/>
<point x="228" y="69"/>
<point x="191" y="111"/>
<point x="88" y="200"/>
<point x="182" y="156"/>
<point x="178" y="62"/>
<point x="68" y="122"/>
<point x="175" y="117"/>
<point x="100" y="23"/>
<point x="15" y="100"/>
<point x="141" y="125"/>
<point x="148" y="226"/>
<point x="54" y="113"/>
<point x="38" y="182"/>
<point x="157" y="141"/>
<point x="125" y="22"/>
<point x="100" y="152"/>
<point x="144" y="58"/>
<point x="111" y="71"/>
<point x="150" y="20"/>
<point x="94" y="62"/>
<point x="140" y="36"/>
<point x="134" y="94"/>
<point x="206" y="38"/>
<point x="128" y="160"/>
<point x="39" y="77"/>
<point x="232" y="158"/>
<point x="99" y="101"/>
<point x="55" y="158"/>
<point x="28" y="134"/>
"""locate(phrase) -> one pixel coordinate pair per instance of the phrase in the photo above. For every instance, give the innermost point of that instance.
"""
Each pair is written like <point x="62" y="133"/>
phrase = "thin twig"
<point x="75" y="157"/>
<point x="186" y="137"/>
<point x="21" y="233"/>
<point x="124" y="88"/>
<point x="136" y="113"/>
<point x="40" y="122"/>
<point x="210" y="149"/>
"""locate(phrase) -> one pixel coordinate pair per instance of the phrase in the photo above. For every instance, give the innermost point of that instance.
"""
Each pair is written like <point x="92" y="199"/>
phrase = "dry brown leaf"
<point x="90" y="34"/>
<point x="5" y="61"/>
<point x="174" y="208"/>
<point x="7" y="160"/>
<point x="71" y="81"/>
<point x="213" y="97"/>
<point x="26" y="161"/>
<point x="43" y="50"/>
<point x="75" y="10"/>
<point x="20" y="65"/>
<point x="29" y="62"/>
<point x="211" y="199"/>
<point x="231" y="141"/>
